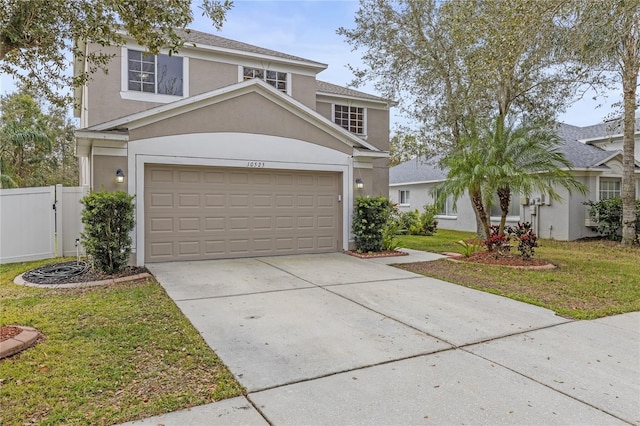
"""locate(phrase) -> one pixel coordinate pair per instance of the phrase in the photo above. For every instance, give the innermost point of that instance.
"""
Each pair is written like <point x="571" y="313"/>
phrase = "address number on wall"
<point x="255" y="164"/>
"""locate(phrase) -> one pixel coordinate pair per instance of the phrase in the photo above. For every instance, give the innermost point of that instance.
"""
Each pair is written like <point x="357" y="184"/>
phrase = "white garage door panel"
<point x="208" y="213"/>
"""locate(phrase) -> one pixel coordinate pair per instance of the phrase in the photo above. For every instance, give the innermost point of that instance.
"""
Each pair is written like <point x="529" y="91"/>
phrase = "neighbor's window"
<point x="161" y="74"/>
<point x="403" y="197"/>
<point x="349" y="117"/>
<point x="609" y="188"/>
<point x="514" y="206"/>
<point x="275" y="78"/>
<point x="447" y="209"/>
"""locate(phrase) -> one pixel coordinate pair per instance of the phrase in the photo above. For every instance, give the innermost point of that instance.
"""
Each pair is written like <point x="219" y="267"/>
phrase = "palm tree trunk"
<point x="504" y="195"/>
<point x="481" y="213"/>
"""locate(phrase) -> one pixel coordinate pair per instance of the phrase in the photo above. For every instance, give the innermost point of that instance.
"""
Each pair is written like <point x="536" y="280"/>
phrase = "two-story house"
<point x="230" y="149"/>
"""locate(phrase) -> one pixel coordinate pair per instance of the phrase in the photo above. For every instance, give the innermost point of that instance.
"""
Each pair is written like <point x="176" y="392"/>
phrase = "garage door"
<point x="196" y="213"/>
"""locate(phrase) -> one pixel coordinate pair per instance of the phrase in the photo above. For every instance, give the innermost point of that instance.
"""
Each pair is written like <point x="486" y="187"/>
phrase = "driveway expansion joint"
<point x="542" y="383"/>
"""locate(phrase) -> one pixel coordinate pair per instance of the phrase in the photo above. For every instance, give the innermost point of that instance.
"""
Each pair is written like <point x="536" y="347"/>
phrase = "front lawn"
<point x="109" y="355"/>
<point x="593" y="278"/>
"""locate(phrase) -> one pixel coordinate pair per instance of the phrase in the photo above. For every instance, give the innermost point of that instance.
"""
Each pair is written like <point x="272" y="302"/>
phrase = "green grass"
<point x="109" y="355"/>
<point x="593" y="278"/>
<point x="442" y="241"/>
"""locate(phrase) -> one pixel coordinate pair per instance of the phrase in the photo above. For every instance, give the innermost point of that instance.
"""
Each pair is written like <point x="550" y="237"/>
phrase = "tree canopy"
<point x="456" y="64"/>
<point x="36" y="146"/>
<point x="39" y="37"/>
<point x="459" y="66"/>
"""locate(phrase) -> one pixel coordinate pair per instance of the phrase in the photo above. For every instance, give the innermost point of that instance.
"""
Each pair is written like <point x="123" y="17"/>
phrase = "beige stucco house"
<point x="231" y="150"/>
<point x="596" y="161"/>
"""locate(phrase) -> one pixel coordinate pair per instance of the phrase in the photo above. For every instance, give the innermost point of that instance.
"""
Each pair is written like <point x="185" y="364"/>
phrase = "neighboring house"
<point x="231" y="150"/>
<point x="596" y="158"/>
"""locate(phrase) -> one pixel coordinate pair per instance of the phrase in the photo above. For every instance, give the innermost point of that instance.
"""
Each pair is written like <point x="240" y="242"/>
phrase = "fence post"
<point x="58" y="212"/>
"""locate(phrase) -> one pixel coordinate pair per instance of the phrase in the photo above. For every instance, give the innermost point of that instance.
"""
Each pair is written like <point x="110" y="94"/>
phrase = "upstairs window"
<point x="274" y="78"/>
<point x="349" y="117"/>
<point x="160" y="74"/>
<point x="403" y="198"/>
<point x="609" y="188"/>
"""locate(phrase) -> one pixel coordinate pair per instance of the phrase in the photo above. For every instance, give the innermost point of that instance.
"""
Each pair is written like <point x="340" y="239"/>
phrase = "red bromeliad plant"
<point x="497" y="242"/>
<point x="527" y="238"/>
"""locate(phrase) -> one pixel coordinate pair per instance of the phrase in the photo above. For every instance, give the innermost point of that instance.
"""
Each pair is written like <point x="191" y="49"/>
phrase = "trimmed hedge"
<point x="108" y="222"/>
<point x="369" y="220"/>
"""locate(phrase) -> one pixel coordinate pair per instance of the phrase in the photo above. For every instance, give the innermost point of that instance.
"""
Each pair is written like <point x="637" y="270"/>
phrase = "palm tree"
<point x="524" y="160"/>
<point x="505" y="160"/>
<point x="467" y="172"/>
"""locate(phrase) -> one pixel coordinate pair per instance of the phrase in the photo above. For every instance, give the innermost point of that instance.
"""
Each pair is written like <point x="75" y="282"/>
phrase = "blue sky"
<point x="308" y="29"/>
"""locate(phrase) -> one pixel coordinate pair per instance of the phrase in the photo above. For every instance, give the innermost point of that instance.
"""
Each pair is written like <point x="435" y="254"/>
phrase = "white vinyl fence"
<point x="39" y="223"/>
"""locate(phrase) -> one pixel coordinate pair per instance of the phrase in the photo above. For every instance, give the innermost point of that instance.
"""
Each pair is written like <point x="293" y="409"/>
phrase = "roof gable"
<point x="192" y="103"/>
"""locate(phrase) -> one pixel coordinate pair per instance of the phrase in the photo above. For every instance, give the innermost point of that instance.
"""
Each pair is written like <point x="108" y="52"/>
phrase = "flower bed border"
<point x="374" y="255"/>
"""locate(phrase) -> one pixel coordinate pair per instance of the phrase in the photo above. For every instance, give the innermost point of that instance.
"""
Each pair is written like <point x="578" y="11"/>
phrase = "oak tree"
<point x="39" y="38"/>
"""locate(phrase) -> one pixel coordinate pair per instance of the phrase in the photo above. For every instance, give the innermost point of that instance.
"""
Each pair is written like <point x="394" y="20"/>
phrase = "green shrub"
<point x="526" y="237"/>
<point x="608" y="215"/>
<point x="108" y="221"/>
<point x="370" y="217"/>
<point x="391" y="229"/>
<point x="469" y="248"/>
<point x="426" y="223"/>
<point x="406" y="220"/>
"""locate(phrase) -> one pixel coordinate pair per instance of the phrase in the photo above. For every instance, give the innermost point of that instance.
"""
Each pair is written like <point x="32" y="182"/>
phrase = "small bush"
<point x="408" y="220"/>
<point x="370" y="217"/>
<point x="108" y="221"/>
<point x="526" y="237"/>
<point x="497" y="242"/>
<point x="391" y="229"/>
<point x="468" y="248"/>
<point x="424" y="223"/>
<point x="608" y="215"/>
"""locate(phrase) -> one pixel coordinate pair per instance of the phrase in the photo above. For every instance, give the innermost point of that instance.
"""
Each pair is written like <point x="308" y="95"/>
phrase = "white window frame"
<point x="287" y="81"/>
<point x="351" y="105"/>
<point x="404" y="197"/>
<point x="449" y="211"/>
<point x="134" y="95"/>
<point x="611" y="179"/>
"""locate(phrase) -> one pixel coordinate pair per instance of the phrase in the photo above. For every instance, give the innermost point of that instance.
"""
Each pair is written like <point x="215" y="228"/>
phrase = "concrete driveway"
<point x="332" y="339"/>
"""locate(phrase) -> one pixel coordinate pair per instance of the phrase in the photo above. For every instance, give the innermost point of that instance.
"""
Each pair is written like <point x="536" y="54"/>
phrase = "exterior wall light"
<point x="359" y="183"/>
<point x="119" y="176"/>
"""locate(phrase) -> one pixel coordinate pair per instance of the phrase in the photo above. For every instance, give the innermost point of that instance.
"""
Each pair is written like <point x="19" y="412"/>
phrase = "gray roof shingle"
<point x="420" y="169"/>
<point x="580" y="155"/>
<point x="204" y="39"/>
<point x="334" y="89"/>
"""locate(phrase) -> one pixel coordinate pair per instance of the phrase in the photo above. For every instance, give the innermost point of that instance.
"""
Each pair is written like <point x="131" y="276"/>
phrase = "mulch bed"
<point x="9" y="331"/>
<point x="372" y="255"/>
<point x="491" y="258"/>
<point x="88" y="276"/>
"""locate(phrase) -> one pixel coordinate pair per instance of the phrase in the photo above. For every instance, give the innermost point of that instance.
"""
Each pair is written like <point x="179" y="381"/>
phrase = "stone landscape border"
<point x="21" y="281"/>
<point x="27" y="338"/>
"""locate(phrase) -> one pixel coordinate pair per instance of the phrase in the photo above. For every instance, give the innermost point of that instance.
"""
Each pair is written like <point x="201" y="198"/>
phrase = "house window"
<point x="609" y="188"/>
<point x="274" y="78"/>
<point x="514" y="206"/>
<point x="447" y="209"/>
<point x="349" y="117"/>
<point x="403" y="197"/>
<point x="160" y="74"/>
